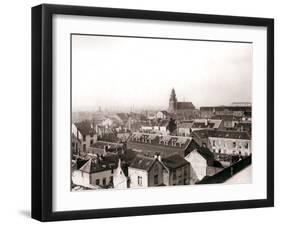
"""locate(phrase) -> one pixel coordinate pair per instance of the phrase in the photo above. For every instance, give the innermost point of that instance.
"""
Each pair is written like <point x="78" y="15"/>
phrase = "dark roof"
<point x="143" y="162"/>
<point x="221" y="134"/>
<point x="174" y="161"/>
<point x="152" y="149"/>
<point x="84" y="127"/>
<point x="203" y="125"/>
<point x="185" y="105"/>
<point x="97" y="165"/>
<point x="80" y="162"/>
<point x="229" y="108"/>
<point x="226" y="117"/>
<point x="217" y="164"/>
<point x="206" y="153"/>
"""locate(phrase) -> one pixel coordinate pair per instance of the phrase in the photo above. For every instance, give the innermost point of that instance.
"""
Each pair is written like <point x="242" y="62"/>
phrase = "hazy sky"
<point x="118" y="72"/>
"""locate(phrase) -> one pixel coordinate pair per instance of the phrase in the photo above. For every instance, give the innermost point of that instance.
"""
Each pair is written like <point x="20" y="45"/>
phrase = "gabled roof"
<point x="84" y="127"/>
<point x="143" y="162"/>
<point x="96" y="165"/>
<point x="174" y="161"/>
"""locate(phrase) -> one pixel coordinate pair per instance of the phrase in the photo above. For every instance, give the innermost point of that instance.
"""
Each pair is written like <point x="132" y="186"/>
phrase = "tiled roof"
<point x="96" y="165"/>
<point x="174" y="161"/>
<point x="84" y="127"/>
<point x="221" y="134"/>
<point x="142" y="162"/>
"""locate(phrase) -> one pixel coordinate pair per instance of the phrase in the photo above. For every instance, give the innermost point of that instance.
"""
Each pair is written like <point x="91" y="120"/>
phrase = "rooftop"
<point x="221" y="134"/>
<point x="143" y="162"/>
<point x="84" y="127"/>
<point x="159" y="144"/>
<point x="174" y="161"/>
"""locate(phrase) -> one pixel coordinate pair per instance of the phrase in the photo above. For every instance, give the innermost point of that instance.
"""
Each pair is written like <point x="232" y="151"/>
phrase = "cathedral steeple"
<point x="173" y="101"/>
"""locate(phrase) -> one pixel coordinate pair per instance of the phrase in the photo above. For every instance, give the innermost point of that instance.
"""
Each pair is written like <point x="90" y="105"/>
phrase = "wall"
<point x="226" y="145"/>
<point x="100" y="175"/>
<point x="134" y="174"/>
<point x="157" y="169"/>
<point x="198" y="166"/>
<point x="15" y="92"/>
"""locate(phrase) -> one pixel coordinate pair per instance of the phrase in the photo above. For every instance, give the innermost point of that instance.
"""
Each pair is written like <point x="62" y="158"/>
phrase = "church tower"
<point x="173" y="102"/>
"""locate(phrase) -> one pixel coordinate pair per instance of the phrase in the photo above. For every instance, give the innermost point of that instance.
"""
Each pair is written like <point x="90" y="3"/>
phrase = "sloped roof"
<point x="203" y="125"/>
<point x="142" y="162"/>
<point x="205" y="153"/>
<point x="97" y="165"/>
<point x="221" y="134"/>
<point x="174" y="161"/>
<point x="84" y="127"/>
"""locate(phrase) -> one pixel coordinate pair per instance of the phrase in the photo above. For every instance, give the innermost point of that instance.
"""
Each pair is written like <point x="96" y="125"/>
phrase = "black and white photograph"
<point x="155" y="111"/>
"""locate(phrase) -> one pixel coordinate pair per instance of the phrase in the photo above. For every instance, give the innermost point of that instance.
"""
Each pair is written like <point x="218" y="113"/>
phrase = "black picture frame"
<point x="42" y="107"/>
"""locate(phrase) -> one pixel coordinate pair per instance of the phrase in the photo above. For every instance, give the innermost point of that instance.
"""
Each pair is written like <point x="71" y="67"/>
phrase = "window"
<point x="91" y="142"/>
<point x="97" y="181"/>
<point x="84" y="138"/>
<point x="104" y="181"/>
<point x="155" y="179"/>
<point x="111" y="179"/>
<point x="139" y="180"/>
<point x="214" y="143"/>
<point x="174" y="175"/>
<point x="84" y="147"/>
<point x="234" y="144"/>
<point x="246" y="145"/>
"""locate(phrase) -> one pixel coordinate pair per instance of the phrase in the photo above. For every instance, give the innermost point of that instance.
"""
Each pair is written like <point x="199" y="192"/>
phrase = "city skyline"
<point x="118" y="72"/>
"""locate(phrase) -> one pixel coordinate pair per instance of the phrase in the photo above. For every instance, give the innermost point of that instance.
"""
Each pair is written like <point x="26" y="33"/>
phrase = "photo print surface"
<point x="153" y="112"/>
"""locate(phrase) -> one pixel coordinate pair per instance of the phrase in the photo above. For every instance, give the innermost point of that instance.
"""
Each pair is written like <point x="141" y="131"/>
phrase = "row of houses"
<point x="156" y="160"/>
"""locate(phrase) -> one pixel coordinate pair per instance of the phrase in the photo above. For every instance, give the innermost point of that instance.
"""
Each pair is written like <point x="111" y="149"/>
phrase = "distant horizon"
<point x="144" y="108"/>
<point x="118" y="72"/>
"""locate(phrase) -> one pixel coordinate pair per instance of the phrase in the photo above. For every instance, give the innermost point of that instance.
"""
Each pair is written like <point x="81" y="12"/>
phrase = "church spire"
<point x="173" y="101"/>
